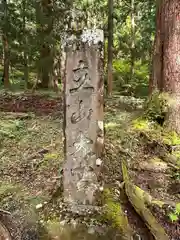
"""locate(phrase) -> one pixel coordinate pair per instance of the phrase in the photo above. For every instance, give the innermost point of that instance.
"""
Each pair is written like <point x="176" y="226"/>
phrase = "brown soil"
<point x="173" y="229"/>
<point x="38" y="104"/>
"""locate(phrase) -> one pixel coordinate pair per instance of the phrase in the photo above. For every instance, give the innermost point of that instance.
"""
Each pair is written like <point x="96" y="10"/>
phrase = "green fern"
<point x="173" y="217"/>
<point x="177" y="209"/>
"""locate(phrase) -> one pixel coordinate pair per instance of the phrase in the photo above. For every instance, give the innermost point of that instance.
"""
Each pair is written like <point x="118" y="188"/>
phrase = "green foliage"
<point x="49" y="160"/>
<point x="7" y="189"/>
<point x="50" y="156"/>
<point x="175" y="216"/>
<point x="137" y="86"/>
<point x="11" y="129"/>
<point x="145" y="124"/>
<point x="178" y="208"/>
<point x="142" y="125"/>
<point x="171" y="138"/>
<point x="29" y="26"/>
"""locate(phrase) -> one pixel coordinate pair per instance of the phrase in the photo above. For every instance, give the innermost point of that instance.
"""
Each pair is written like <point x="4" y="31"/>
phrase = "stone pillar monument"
<point x="83" y="117"/>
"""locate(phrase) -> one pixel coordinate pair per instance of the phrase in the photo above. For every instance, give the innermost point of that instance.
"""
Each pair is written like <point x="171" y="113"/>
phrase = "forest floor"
<point x="31" y="158"/>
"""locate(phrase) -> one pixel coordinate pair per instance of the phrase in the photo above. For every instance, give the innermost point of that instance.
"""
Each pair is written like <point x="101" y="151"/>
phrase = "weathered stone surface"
<point x="83" y="123"/>
<point x="76" y="231"/>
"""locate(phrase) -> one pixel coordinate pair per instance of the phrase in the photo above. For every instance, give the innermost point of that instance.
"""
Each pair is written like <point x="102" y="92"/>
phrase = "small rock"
<point x="98" y="162"/>
<point x="38" y="206"/>
<point x="43" y="151"/>
<point x="118" y="184"/>
<point x="137" y="237"/>
<point x="101" y="188"/>
<point x="91" y="230"/>
<point x="62" y="223"/>
<point x="117" y="192"/>
<point x="73" y="223"/>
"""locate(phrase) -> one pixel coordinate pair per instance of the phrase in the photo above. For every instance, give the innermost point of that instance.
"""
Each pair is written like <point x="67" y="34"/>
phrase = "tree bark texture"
<point x="132" y="60"/>
<point x="5" y="47"/>
<point x="166" y="60"/>
<point x="157" y="61"/>
<point x="44" y="30"/>
<point x="171" y="60"/>
<point x="25" y="45"/>
<point x="110" y="47"/>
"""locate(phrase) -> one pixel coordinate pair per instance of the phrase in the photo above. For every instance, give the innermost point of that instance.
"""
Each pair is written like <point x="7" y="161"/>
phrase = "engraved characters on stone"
<point x="81" y="78"/>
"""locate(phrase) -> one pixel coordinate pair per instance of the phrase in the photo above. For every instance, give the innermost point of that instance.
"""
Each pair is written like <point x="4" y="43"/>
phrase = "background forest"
<point x="31" y="40"/>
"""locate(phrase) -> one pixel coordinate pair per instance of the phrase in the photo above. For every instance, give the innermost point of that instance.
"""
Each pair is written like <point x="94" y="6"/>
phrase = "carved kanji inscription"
<point x="83" y="111"/>
<point x="81" y="78"/>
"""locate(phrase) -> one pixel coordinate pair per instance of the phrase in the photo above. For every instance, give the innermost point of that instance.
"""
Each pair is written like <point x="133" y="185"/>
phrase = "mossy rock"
<point x="154" y="165"/>
<point x="77" y="231"/>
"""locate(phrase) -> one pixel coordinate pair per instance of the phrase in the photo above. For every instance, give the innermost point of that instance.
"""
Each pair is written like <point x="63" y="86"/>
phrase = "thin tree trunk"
<point x="132" y="61"/>
<point x="171" y="63"/>
<point x="110" y="47"/>
<point x="151" y="48"/>
<point x="44" y="31"/>
<point x="6" y="48"/>
<point x="157" y="61"/>
<point x="25" y="47"/>
<point x="45" y="71"/>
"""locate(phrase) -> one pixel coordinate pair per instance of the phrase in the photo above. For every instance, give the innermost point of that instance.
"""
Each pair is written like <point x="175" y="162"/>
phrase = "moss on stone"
<point x="54" y="228"/>
<point x="155" y="165"/>
<point x="115" y="214"/>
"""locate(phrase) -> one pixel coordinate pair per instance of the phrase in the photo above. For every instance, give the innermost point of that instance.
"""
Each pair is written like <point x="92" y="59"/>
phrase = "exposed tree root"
<point x="139" y="200"/>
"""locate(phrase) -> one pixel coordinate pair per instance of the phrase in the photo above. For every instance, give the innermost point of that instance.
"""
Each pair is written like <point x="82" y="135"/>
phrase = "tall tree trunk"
<point x="132" y="61"/>
<point x="25" y="47"/>
<point x="110" y="47"/>
<point x="166" y="61"/>
<point x="45" y="28"/>
<point x="157" y="61"/>
<point x="151" y="48"/>
<point x="171" y="63"/>
<point x="5" y="47"/>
